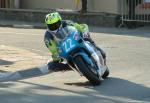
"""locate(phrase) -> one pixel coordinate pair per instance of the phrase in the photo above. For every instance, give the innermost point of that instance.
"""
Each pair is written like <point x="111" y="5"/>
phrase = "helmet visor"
<point x="54" y="26"/>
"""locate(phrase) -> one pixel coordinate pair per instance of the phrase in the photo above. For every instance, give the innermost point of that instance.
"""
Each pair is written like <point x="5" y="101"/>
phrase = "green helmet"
<point x="53" y="21"/>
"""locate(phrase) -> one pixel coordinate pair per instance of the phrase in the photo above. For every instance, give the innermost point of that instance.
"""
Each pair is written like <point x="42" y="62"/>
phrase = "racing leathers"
<point x="51" y="43"/>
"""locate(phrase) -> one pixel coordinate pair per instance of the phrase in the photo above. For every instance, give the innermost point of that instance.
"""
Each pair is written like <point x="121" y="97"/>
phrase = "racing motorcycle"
<point x="82" y="56"/>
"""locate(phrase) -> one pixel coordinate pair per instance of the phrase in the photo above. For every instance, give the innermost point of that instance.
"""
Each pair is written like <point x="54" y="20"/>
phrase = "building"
<point x="109" y="6"/>
<point x="9" y="3"/>
<point x="130" y="10"/>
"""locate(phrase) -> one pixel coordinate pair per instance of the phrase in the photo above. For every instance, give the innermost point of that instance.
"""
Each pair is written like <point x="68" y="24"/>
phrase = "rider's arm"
<point x="52" y="46"/>
<point x="80" y="27"/>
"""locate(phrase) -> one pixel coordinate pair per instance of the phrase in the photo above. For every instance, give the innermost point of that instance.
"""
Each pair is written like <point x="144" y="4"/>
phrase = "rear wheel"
<point x="88" y="71"/>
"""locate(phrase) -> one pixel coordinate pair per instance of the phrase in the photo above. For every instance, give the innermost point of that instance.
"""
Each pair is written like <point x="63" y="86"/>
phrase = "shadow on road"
<point x="123" y="88"/>
<point x="4" y="62"/>
<point x="107" y="91"/>
<point x="79" y="84"/>
<point x="120" y="88"/>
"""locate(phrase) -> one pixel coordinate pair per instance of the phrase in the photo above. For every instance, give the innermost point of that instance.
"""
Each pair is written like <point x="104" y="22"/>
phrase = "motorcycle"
<point x="82" y="56"/>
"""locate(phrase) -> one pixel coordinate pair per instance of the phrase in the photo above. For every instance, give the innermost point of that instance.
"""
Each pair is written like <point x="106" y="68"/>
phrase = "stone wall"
<point x="37" y="16"/>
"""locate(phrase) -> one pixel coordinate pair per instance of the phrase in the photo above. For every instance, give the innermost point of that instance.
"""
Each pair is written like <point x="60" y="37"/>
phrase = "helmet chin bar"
<point x="55" y="31"/>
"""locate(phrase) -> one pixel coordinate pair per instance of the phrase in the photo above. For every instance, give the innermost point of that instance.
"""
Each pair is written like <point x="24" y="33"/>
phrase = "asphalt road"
<point x="128" y="55"/>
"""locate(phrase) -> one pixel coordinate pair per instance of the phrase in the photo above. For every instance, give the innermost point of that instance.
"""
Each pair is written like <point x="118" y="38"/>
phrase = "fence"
<point x="135" y="10"/>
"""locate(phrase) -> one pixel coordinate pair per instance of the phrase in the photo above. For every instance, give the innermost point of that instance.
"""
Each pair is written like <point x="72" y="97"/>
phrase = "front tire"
<point x="87" y="70"/>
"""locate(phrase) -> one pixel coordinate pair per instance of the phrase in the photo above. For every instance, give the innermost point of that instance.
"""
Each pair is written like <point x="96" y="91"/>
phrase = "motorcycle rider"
<point x="54" y="24"/>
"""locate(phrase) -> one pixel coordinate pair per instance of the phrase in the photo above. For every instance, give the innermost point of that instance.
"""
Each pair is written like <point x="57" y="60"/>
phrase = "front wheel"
<point x="89" y="72"/>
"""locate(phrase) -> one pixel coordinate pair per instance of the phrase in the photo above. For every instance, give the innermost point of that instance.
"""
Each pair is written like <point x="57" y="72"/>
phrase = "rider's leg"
<point x="103" y="54"/>
<point x="88" y="38"/>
